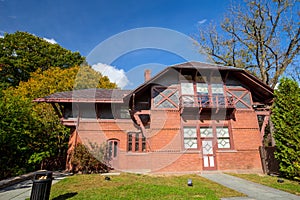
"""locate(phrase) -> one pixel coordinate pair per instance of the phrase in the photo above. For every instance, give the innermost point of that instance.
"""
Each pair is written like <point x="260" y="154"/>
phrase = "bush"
<point x="85" y="162"/>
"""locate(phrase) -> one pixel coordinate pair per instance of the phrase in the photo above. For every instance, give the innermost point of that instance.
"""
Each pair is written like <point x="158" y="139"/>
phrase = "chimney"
<point x="147" y="74"/>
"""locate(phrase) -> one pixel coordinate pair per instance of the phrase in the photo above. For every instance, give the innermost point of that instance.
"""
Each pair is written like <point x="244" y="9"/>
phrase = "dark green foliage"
<point x="14" y="136"/>
<point x="22" y="53"/>
<point x="286" y="119"/>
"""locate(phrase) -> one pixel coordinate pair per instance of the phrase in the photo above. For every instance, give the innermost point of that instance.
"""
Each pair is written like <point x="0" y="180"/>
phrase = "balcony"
<point x="206" y="102"/>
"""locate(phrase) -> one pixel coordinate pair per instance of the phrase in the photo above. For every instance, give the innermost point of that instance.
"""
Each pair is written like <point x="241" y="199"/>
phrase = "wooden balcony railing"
<point x="206" y="101"/>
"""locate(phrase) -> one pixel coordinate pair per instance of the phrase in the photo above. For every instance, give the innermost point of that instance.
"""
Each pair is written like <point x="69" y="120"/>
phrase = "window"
<point x="124" y="113"/>
<point x="206" y="94"/>
<point x="241" y="98"/>
<point x="105" y="111"/>
<point x="202" y="92"/>
<point x="223" y="137"/>
<point x="219" y="136"/>
<point x="112" y="148"/>
<point x="206" y="132"/>
<point x="187" y="92"/>
<point x="165" y="97"/>
<point x="218" y="97"/>
<point x="136" y="142"/>
<point x="88" y="110"/>
<point x="190" y="138"/>
<point x="221" y="133"/>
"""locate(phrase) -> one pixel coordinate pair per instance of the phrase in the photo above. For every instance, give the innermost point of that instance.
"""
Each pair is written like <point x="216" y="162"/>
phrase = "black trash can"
<point x="41" y="185"/>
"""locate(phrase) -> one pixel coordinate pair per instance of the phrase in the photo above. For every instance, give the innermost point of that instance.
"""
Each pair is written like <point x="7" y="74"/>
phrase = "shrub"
<point x="93" y="161"/>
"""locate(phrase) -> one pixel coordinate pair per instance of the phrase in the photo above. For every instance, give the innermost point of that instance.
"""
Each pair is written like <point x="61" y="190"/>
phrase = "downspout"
<point x="76" y="127"/>
<point x="138" y="119"/>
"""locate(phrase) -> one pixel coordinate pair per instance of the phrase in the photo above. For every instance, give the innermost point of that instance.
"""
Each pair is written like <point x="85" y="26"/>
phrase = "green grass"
<point x="271" y="181"/>
<point x="133" y="186"/>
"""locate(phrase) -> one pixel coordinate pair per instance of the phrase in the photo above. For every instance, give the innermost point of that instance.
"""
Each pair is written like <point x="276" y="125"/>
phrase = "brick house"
<point x="190" y="117"/>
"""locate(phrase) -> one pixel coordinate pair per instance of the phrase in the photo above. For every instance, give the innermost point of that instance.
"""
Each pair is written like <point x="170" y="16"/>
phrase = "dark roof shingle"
<point x="87" y="95"/>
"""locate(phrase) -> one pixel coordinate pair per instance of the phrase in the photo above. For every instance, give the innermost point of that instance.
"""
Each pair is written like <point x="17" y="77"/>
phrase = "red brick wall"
<point x="187" y="162"/>
<point x="246" y="141"/>
<point x="165" y="142"/>
<point x="239" y="160"/>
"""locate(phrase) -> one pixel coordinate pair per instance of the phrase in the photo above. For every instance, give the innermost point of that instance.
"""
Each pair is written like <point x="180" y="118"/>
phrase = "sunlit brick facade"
<point x="190" y="117"/>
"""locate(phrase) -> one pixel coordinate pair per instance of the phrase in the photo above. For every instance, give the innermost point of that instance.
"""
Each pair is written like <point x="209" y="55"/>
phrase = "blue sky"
<point x="82" y="25"/>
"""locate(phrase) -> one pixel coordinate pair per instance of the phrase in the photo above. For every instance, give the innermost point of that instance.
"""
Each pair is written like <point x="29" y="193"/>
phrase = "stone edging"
<point x="8" y="182"/>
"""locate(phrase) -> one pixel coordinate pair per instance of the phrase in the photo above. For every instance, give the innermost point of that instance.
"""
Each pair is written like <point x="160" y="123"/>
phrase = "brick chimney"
<point x="147" y="74"/>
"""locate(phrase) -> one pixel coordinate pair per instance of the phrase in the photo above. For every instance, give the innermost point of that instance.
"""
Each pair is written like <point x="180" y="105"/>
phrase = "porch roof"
<point x="87" y="96"/>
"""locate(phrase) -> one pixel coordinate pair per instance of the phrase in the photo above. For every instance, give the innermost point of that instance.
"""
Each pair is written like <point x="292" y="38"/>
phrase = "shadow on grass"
<point x="65" y="196"/>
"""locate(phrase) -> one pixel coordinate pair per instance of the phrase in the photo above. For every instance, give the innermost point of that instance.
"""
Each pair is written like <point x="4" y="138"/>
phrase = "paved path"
<point x="254" y="191"/>
<point x="22" y="190"/>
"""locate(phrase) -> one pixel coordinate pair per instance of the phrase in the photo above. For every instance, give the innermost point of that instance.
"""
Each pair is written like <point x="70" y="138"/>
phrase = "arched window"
<point x="113" y="147"/>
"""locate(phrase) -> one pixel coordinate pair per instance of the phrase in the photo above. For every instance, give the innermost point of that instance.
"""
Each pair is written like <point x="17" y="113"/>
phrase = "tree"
<point x="286" y="119"/>
<point x="15" y="129"/>
<point x="261" y="37"/>
<point x="33" y="130"/>
<point x="22" y="53"/>
<point x="50" y="137"/>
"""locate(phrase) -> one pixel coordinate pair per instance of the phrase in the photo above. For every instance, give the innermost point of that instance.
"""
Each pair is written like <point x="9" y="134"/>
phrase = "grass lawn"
<point x="271" y="181"/>
<point x="134" y="186"/>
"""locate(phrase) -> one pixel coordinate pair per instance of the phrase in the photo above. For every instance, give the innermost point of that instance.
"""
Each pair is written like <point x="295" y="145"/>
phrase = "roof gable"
<point x="256" y="86"/>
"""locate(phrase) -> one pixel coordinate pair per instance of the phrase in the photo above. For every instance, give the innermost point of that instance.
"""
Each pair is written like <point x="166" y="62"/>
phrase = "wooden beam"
<point x="57" y="111"/>
<point x="225" y="78"/>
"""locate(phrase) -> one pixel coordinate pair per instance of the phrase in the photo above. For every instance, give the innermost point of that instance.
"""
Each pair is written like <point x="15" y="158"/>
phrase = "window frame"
<point x="136" y="142"/>
<point x="237" y="99"/>
<point x="174" y="89"/>
<point x="214" y="125"/>
<point x="212" y="99"/>
<point x="113" y="148"/>
<point x="229" y="138"/>
<point x="184" y="138"/>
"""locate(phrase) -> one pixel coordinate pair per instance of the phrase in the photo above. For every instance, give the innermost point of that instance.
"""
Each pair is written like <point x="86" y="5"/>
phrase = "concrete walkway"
<point x="22" y="190"/>
<point x="254" y="191"/>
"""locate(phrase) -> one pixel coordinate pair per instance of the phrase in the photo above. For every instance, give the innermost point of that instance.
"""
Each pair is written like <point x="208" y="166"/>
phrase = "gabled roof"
<point x="256" y="86"/>
<point x="87" y="95"/>
<point x="201" y="65"/>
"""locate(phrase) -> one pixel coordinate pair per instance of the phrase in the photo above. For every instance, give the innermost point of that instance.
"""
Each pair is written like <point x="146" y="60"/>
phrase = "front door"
<point x="208" y="150"/>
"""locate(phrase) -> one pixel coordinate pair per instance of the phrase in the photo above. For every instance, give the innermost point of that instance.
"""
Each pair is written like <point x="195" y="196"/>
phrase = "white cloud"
<point x="202" y="21"/>
<point x="2" y="34"/>
<point x="115" y="75"/>
<point x="52" y="41"/>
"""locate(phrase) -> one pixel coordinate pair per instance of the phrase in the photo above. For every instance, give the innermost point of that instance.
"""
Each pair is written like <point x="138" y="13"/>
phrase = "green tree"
<point x="286" y="119"/>
<point x="86" y="77"/>
<point x="36" y="125"/>
<point x="22" y="53"/>
<point x="50" y="136"/>
<point x="15" y="129"/>
<point x="260" y="36"/>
